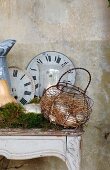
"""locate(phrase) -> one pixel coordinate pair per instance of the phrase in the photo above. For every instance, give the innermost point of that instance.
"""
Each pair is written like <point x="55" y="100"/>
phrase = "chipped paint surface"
<point x="81" y="30"/>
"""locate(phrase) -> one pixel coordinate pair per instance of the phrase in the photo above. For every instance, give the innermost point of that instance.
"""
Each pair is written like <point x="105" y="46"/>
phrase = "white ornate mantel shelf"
<point x="27" y="144"/>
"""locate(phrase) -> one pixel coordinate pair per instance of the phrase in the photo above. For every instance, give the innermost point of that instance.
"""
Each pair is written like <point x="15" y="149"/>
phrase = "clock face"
<point x="22" y="85"/>
<point x="49" y="60"/>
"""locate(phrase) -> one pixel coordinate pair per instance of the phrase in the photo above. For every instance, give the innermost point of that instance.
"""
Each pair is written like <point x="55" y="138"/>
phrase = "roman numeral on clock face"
<point x="15" y="72"/>
<point x="39" y="61"/>
<point x="23" y="101"/>
<point x="57" y="59"/>
<point x="36" y="86"/>
<point x="48" y="58"/>
<point x="27" y="84"/>
<point x="27" y="93"/>
<point x="64" y="64"/>
<point x="34" y="77"/>
<point x="33" y="69"/>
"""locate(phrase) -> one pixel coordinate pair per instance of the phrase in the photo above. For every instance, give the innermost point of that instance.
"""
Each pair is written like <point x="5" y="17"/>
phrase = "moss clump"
<point x="35" y="100"/>
<point x="13" y="115"/>
<point x="9" y="114"/>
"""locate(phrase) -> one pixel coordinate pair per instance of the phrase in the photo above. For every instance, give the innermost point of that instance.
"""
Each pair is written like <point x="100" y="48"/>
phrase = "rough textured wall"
<point x="81" y="30"/>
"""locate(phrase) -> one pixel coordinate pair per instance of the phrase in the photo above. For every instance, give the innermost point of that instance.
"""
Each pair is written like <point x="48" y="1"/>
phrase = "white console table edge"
<point x="21" y="147"/>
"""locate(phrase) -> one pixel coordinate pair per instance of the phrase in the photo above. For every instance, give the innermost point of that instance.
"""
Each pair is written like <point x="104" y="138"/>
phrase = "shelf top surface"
<point x="40" y="132"/>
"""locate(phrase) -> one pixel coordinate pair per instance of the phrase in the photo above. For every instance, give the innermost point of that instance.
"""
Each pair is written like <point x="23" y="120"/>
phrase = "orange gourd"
<point x="5" y="96"/>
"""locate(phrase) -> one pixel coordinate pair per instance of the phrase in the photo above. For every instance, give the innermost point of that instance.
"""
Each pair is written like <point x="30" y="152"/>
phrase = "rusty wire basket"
<point x="66" y="104"/>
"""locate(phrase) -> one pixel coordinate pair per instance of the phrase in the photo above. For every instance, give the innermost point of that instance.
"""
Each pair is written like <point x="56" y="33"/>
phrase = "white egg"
<point x="80" y="117"/>
<point x="52" y="118"/>
<point x="33" y="108"/>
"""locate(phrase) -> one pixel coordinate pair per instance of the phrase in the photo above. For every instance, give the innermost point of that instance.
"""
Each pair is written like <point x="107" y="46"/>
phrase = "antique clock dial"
<point x="50" y="59"/>
<point x="22" y="85"/>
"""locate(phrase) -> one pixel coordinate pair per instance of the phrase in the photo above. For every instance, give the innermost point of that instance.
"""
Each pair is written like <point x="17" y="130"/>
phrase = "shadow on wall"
<point x="43" y="163"/>
<point x="103" y="154"/>
<point x="104" y="98"/>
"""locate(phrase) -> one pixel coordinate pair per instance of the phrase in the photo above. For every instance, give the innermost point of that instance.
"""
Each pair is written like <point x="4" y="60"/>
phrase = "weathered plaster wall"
<point x="81" y="30"/>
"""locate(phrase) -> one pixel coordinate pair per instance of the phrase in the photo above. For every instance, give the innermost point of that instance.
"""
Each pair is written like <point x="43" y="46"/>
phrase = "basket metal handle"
<point x="78" y="68"/>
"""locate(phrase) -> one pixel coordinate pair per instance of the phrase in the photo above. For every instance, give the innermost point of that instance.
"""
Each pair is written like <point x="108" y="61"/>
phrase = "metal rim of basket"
<point x="75" y="87"/>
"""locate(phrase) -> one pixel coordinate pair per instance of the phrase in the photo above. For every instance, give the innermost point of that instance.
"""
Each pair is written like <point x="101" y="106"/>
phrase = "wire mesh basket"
<point x="66" y="104"/>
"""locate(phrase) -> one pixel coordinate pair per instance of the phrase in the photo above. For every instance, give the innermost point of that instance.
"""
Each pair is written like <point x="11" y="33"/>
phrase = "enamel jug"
<point x="5" y="47"/>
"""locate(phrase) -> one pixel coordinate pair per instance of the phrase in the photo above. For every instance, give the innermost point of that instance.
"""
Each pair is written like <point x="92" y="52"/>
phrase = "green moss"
<point x="13" y="115"/>
<point x="35" y="100"/>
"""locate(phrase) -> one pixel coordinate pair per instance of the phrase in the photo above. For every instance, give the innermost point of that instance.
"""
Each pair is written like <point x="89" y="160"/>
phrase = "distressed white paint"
<point x="66" y="148"/>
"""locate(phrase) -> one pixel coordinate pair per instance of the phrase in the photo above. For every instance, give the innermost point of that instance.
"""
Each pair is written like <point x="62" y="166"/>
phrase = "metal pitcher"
<point x="5" y="47"/>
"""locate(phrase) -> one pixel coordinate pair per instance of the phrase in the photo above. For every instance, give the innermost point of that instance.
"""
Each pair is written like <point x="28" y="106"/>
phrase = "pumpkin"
<point x="5" y="96"/>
